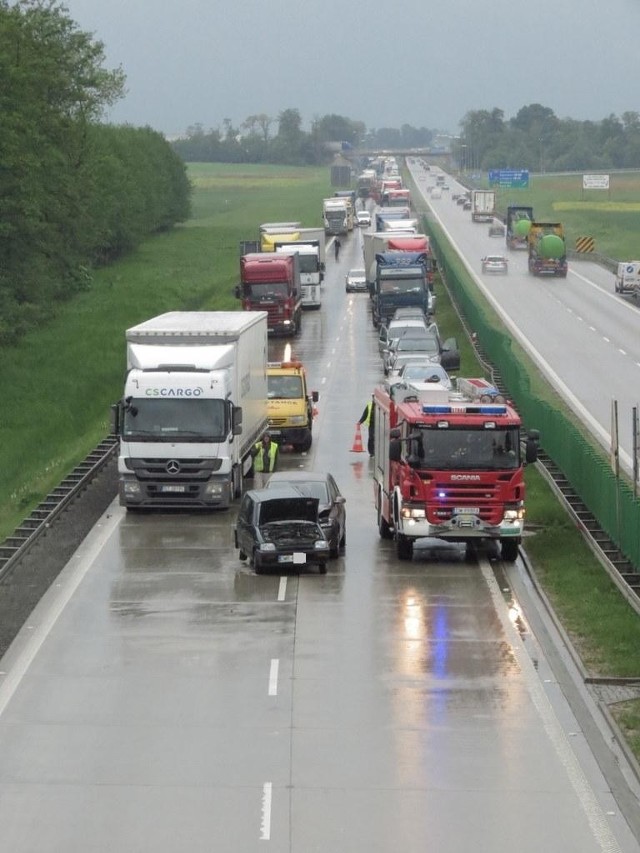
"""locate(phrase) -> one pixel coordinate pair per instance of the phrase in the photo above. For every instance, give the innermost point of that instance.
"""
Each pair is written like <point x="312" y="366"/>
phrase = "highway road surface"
<point x="164" y="698"/>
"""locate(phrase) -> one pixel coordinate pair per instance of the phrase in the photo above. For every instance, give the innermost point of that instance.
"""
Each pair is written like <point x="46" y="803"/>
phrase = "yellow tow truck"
<point x="290" y="406"/>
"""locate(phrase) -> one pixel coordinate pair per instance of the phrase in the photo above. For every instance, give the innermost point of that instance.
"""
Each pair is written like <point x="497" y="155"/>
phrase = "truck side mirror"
<point x="395" y="450"/>
<point x="237" y="292"/>
<point x="531" y="446"/>
<point x="236" y="420"/>
<point x="116" y="418"/>
<point x="315" y="396"/>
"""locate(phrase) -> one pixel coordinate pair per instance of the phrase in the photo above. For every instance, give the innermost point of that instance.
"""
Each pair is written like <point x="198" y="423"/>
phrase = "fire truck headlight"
<point x="413" y="512"/>
<point x="514" y="514"/>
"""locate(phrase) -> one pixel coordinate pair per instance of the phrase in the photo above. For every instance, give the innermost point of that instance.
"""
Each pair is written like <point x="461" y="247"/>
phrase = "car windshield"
<point x="426" y="343"/>
<point x="356" y="273"/>
<point x="424" y="372"/>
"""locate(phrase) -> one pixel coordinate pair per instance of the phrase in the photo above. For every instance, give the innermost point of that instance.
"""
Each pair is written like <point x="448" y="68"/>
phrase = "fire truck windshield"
<point x="474" y="449"/>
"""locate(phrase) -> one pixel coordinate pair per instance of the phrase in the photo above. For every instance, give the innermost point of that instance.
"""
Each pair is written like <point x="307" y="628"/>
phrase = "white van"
<point x="628" y="277"/>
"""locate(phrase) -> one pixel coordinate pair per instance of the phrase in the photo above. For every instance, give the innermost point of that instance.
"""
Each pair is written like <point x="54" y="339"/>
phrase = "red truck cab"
<point x="271" y="282"/>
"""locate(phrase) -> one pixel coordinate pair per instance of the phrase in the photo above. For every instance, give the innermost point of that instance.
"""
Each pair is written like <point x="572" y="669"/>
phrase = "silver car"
<point x="495" y="263"/>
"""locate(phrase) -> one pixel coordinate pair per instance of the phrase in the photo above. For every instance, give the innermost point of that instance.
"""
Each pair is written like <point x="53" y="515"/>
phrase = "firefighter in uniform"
<point x="265" y="457"/>
<point x="368" y="419"/>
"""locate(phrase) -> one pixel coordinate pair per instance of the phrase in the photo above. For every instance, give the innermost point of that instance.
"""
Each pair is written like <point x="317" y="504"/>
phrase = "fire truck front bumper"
<point x="460" y="526"/>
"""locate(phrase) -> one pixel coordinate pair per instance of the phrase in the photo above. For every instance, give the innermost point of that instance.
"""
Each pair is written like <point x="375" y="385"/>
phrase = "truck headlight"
<point x="214" y="487"/>
<point x="514" y="514"/>
<point x="131" y="487"/>
<point x="298" y="419"/>
<point x="413" y="512"/>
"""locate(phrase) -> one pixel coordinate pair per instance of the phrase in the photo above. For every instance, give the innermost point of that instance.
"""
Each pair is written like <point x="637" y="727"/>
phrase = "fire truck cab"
<point x="449" y="465"/>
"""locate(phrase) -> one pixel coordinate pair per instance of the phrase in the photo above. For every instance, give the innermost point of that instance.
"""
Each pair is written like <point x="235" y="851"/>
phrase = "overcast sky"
<point x="420" y="62"/>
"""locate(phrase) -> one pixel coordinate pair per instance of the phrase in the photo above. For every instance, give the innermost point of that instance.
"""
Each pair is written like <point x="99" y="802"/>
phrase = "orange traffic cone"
<point x="357" y="441"/>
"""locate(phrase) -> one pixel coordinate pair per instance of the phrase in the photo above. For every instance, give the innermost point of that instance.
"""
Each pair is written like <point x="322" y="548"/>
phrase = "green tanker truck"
<point x="547" y="249"/>
<point x="518" y="222"/>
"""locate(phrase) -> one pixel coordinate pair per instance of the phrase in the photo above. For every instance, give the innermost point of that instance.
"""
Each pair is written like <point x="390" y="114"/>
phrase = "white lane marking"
<point x="86" y="559"/>
<point x="323" y="380"/>
<point x="282" y="589"/>
<point x="265" y="824"/>
<point x="273" y="677"/>
<point x="594" y="813"/>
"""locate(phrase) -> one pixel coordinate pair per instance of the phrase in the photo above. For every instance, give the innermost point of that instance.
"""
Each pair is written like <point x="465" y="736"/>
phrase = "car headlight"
<point x="321" y="545"/>
<point x="267" y="546"/>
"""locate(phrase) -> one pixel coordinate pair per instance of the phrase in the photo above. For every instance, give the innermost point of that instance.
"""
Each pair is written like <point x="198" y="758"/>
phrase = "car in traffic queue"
<point x="496" y="229"/>
<point x="279" y="529"/>
<point x="409" y="369"/>
<point x="495" y="264"/>
<point x="356" y="281"/>
<point x="397" y="328"/>
<point x="332" y="512"/>
<point x="363" y="218"/>
<point x="430" y="344"/>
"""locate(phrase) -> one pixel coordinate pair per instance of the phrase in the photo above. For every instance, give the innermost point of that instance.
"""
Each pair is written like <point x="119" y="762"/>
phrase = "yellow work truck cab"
<point x="290" y="406"/>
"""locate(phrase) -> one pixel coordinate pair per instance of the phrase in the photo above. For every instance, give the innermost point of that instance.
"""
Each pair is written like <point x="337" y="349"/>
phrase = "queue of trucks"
<point x="200" y="393"/>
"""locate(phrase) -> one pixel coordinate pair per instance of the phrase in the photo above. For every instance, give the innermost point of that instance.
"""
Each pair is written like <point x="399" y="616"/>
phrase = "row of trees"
<point x="75" y="192"/>
<point x="536" y="139"/>
<point x="261" y="139"/>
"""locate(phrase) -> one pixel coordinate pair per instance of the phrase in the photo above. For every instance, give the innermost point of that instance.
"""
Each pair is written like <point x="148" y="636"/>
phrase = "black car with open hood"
<point x="278" y="529"/>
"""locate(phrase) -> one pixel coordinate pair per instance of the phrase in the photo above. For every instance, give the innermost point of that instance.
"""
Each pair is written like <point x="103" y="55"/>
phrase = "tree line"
<point x="74" y="192"/>
<point x="262" y="139"/>
<point x="536" y="139"/>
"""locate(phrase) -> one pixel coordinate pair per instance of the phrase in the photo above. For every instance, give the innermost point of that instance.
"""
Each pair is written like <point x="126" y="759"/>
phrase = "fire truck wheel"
<point x="383" y="526"/>
<point x="509" y="550"/>
<point x="404" y="547"/>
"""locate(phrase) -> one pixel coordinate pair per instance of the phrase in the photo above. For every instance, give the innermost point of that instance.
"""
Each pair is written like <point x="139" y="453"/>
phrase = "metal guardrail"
<point x="38" y="522"/>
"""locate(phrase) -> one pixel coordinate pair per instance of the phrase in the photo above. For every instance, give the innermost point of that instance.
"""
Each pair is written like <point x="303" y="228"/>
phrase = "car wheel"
<point x="322" y="567"/>
<point x="343" y="541"/>
<point x="334" y="549"/>
<point x="242" y="555"/>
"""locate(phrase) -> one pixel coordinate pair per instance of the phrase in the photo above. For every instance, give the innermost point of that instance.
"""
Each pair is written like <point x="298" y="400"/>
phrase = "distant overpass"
<point x="435" y="155"/>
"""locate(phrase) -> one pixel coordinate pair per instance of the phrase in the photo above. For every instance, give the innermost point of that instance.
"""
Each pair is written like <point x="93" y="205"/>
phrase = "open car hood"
<point x="289" y="506"/>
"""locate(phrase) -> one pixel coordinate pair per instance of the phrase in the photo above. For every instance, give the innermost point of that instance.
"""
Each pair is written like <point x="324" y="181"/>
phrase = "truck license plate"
<point x="175" y="488"/>
<point x="466" y="510"/>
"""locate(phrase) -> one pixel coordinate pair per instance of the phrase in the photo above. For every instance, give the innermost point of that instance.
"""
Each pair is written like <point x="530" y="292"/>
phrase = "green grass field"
<point x="58" y="385"/>
<point x="611" y="217"/>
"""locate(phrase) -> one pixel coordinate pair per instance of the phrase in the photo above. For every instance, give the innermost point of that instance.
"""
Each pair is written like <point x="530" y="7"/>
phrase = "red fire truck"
<point x="449" y="465"/>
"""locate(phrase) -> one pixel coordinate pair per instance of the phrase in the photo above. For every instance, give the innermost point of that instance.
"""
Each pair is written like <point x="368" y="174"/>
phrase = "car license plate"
<point x="174" y="488"/>
<point x="299" y="557"/>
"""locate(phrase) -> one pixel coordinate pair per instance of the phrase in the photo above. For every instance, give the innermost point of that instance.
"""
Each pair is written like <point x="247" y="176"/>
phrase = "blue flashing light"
<point x="436" y="410"/>
<point x="493" y="410"/>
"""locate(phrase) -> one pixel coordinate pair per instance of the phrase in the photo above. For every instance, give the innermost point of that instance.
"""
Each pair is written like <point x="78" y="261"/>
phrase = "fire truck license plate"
<point x="466" y="510"/>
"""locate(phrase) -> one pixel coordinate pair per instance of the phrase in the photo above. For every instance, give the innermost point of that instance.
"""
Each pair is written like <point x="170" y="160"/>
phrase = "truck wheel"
<point x="383" y="526"/>
<point x="404" y="547"/>
<point x="509" y="550"/>
<point x="304" y="445"/>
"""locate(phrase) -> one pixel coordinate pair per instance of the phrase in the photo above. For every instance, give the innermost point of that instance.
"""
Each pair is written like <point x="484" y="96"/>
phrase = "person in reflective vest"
<point x="265" y="457"/>
<point x="368" y="419"/>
